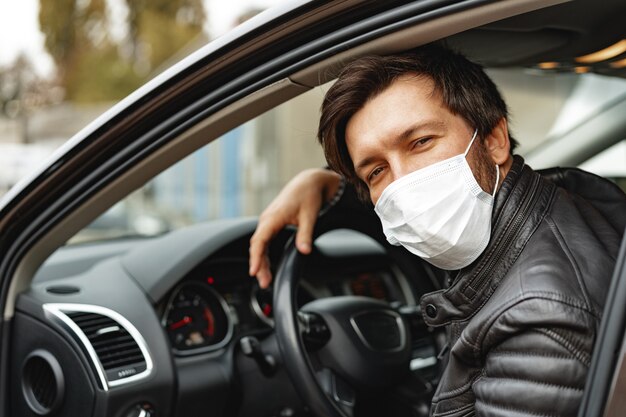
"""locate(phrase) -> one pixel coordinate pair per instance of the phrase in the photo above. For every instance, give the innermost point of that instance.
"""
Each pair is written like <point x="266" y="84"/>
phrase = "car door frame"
<point x="606" y="382"/>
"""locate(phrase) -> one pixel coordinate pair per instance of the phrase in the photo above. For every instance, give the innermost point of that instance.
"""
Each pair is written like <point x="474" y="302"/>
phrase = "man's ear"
<point x="498" y="144"/>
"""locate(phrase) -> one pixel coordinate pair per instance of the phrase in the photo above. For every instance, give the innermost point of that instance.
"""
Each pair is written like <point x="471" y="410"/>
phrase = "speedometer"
<point x="197" y="319"/>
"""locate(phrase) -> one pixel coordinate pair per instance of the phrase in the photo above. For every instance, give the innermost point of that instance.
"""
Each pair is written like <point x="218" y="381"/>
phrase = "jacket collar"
<point x="519" y="206"/>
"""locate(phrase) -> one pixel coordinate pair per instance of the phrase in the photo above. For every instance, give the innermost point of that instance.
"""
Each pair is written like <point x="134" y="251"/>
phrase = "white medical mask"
<point x="439" y="213"/>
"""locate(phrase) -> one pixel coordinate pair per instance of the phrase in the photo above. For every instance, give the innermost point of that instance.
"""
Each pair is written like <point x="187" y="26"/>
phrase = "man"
<point x="424" y="135"/>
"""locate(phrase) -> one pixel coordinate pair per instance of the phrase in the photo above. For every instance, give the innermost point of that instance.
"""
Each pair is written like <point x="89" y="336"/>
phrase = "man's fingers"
<point x="306" y="223"/>
<point x="264" y="276"/>
<point x="258" y="248"/>
<point x="259" y="264"/>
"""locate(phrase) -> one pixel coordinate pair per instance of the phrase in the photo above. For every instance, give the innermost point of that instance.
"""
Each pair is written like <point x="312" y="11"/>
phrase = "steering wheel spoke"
<point x="313" y="329"/>
<point x="338" y="390"/>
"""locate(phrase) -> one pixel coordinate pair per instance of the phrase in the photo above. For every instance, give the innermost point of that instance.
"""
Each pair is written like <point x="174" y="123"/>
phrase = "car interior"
<point x="136" y="301"/>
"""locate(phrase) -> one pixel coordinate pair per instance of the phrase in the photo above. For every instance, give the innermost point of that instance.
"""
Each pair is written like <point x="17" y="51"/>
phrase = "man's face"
<point x="406" y="128"/>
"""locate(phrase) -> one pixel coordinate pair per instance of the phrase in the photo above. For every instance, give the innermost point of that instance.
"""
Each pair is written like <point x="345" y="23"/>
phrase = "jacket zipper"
<point x="520" y="219"/>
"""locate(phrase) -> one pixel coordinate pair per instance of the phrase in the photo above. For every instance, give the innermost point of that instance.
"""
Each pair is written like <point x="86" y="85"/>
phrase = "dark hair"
<point x="464" y="87"/>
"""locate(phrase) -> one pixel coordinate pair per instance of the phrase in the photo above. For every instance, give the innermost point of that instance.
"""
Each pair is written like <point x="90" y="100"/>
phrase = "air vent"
<point x="117" y="350"/>
<point x="42" y="382"/>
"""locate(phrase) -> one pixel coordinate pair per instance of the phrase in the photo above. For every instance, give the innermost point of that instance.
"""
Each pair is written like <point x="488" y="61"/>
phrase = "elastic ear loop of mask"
<point x="495" y="188"/>
<point x="470" y="144"/>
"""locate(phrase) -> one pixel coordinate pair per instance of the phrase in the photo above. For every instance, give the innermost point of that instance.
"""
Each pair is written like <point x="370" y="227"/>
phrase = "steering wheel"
<point x="333" y="348"/>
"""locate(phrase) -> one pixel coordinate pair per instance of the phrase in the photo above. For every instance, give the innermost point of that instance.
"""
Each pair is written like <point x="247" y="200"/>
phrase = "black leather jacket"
<point x="522" y="319"/>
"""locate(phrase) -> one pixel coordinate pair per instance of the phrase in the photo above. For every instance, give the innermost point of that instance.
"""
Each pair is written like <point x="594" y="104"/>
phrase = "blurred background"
<point x="64" y="62"/>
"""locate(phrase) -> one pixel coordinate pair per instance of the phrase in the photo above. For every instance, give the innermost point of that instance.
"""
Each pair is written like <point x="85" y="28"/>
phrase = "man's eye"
<point x="374" y="174"/>
<point x="422" y="141"/>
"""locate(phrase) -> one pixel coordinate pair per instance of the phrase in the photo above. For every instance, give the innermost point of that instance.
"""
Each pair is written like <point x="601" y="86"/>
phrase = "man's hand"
<point x="297" y="204"/>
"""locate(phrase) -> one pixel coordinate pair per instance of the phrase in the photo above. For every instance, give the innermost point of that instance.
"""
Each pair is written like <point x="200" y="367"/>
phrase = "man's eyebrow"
<point x="410" y="131"/>
<point x="404" y="135"/>
<point x="365" y="162"/>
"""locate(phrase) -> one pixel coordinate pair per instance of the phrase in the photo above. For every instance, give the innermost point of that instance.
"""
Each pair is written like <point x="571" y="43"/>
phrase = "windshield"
<point x="240" y="173"/>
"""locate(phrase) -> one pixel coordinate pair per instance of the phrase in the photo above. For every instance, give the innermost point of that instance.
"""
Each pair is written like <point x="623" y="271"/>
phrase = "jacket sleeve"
<point x="538" y="361"/>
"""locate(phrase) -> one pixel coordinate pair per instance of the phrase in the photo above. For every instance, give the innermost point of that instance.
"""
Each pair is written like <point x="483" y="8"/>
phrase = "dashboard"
<point x="163" y="326"/>
<point x="218" y="301"/>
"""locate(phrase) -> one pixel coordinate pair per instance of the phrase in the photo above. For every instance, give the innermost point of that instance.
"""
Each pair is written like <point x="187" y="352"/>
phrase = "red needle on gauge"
<point x="267" y="310"/>
<point x="180" y="323"/>
<point x="210" y="322"/>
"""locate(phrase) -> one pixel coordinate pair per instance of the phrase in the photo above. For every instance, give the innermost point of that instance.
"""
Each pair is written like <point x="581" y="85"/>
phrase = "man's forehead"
<point x="410" y="87"/>
<point x="409" y="103"/>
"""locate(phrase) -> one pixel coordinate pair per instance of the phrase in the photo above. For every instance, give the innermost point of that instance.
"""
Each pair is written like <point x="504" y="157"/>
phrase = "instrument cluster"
<point x="219" y="300"/>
